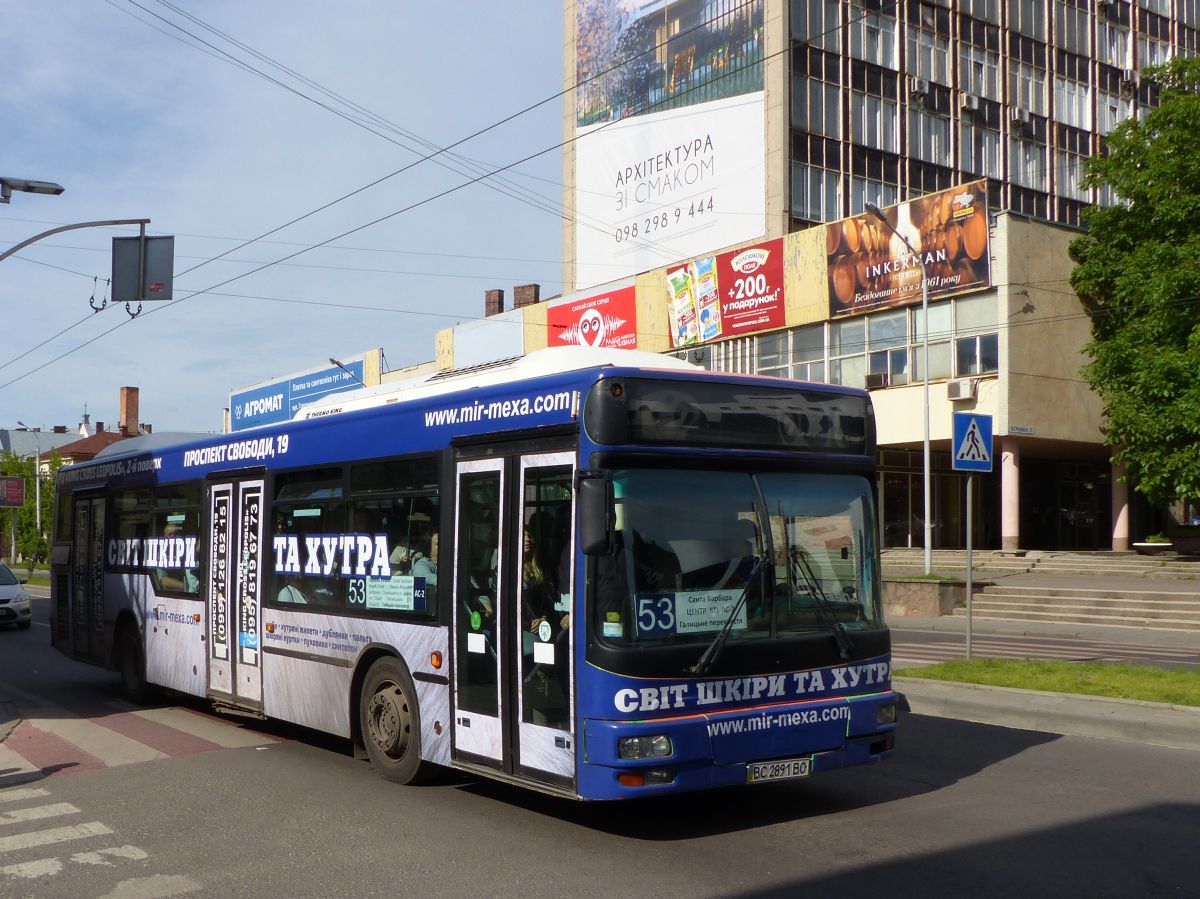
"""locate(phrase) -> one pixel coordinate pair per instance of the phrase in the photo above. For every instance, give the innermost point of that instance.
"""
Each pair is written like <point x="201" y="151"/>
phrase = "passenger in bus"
<point x="426" y="565"/>
<point x="291" y="593"/>
<point x="177" y="581"/>
<point x="537" y="593"/>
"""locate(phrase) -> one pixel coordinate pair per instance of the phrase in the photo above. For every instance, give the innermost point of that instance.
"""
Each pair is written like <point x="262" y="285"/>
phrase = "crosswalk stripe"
<point x="224" y="734"/>
<point x="38" y="813"/>
<point x="102" y="856"/>
<point x="16" y="766"/>
<point x="15" y="795"/>
<point x="54" y="835"/>
<point x="42" y="867"/>
<point x="107" y="745"/>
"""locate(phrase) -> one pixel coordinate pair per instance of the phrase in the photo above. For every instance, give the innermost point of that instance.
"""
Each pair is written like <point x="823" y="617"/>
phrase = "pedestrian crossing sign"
<point x="972" y="448"/>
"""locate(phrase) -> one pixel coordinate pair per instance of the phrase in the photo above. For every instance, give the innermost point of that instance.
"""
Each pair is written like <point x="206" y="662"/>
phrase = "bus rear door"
<point x="87" y="580"/>
<point x="234" y="584"/>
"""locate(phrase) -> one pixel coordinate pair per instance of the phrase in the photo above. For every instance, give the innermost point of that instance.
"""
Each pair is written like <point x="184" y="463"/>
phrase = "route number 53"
<point x="656" y="615"/>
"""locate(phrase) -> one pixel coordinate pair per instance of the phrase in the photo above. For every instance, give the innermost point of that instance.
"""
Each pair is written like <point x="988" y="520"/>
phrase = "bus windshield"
<point x="762" y="556"/>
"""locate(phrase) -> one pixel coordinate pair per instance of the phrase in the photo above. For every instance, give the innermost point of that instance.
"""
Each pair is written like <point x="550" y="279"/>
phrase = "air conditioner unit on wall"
<point x="1017" y="114"/>
<point x="918" y="87"/>
<point x="968" y="102"/>
<point x="877" y="380"/>
<point x="963" y="389"/>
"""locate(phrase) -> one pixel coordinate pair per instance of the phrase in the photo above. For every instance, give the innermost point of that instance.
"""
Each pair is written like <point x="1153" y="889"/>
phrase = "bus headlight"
<point x="886" y="714"/>
<point x="657" y="746"/>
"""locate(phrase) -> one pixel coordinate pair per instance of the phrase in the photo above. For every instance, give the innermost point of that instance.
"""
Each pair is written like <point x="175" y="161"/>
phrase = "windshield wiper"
<point x="802" y="570"/>
<point x="712" y="652"/>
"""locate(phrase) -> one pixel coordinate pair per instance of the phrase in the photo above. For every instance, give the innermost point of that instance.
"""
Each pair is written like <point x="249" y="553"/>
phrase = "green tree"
<point x="31" y="545"/>
<point x="1138" y="273"/>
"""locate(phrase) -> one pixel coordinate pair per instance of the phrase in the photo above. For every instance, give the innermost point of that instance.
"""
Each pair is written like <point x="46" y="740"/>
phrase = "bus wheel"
<point x="132" y="665"/>
<point x="390" y="722"/>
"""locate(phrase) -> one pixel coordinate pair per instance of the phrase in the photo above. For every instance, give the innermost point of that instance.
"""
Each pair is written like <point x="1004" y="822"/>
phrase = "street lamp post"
<point x="37" y="474"/>
<point x="928" y="523"/>
<point x="8" y="185"/>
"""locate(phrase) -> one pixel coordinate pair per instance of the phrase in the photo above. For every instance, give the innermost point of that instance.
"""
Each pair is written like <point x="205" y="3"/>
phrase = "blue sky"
<point x="136" y="124"/>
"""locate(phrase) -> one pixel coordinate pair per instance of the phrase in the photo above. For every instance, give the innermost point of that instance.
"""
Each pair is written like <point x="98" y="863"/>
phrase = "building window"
<point x="928" y="55"/>
<point x="977" y="355"/>
<point x="928" y="136"/>
<point x="873" y="38"/>
<point x="1069" y="172"/>
<point x="1111" y="110"/>
<point x="888" y="346"/>
<point x="847" y="363"/>
<point x="817" y="24"/>
<point x="940" y="330"/>
<point x="980" y="150"/>
<point x="979" y="71"/>
<point x="1028" y="17"/>
<point x="1027" y="87"/>
<point x="1152" y="52"/>
<point x="1071" y="27"/>
<point x="1072" y="103"/>
<point x="1112" y="43"/>
<point x="798" y="353"/>
<point x="1162" y="7"/>
<point x="873" y="122"/>
<point x="866" y="190"/>
<point x="986" y="10"/>
<point x="815" y="107"/>
<point x="1027" y="163"/>
<point x="816" y="194"/>
<point x="976" y="345"/>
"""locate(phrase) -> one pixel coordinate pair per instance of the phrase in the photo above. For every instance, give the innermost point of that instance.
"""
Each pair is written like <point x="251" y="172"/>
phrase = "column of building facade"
<point x="1120" y="510"/>
<point x="1010" y="493"/>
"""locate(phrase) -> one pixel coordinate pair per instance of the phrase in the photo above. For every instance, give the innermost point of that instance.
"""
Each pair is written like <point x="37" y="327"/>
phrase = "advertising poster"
<point x="604" y="320"/>
<point x="870" y="268"/>
<point x="728" y="295"/>
<point x="669" y="155"/>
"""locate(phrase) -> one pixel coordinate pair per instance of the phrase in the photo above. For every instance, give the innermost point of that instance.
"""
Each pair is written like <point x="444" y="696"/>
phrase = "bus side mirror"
<point x="596" y="516"/>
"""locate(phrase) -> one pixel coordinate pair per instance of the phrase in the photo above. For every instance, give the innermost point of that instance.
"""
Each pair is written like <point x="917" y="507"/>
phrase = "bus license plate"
<point x="784" y="769"/>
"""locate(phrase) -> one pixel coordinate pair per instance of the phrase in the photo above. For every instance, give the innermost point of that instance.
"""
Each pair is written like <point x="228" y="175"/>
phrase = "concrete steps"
<point x="1168" y="611"/>
<point x="1070" y="588"/>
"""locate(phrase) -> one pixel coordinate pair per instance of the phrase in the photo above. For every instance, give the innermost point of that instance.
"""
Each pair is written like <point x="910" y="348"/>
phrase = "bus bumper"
<point x="720" y="749"/>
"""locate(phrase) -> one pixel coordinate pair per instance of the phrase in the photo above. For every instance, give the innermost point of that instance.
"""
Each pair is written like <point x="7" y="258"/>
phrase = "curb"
<point x="9" y="719"/>
<point x="1159" y="724"/>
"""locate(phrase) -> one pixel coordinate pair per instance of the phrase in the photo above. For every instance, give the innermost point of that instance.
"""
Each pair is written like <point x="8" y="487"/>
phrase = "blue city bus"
<point x="598" y="574"/>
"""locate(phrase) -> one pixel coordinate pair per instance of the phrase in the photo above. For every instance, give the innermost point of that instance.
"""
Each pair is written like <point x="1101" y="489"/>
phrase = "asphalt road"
<point x="962" y="809"/>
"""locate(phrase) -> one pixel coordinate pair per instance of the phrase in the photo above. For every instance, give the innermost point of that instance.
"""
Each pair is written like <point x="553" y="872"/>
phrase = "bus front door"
<point x="87" y="600"/>
<point x="234" y="591"/>
<point x="513" y="663"/>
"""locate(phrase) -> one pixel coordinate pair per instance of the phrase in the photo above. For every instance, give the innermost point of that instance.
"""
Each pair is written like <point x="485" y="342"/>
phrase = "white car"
<point x="14" y="601"/>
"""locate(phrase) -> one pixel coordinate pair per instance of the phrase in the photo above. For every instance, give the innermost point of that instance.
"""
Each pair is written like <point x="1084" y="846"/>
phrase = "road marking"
<point x="102" y="856"/>
<point x="17" y="768"/>
<point x="33" y="870"/>
<point x="38" y="813"/>
<point x="15" y="795"/>
<point x="54" y="835"/>
<point x="102" y="742"/>
<point x="224" y="733"/>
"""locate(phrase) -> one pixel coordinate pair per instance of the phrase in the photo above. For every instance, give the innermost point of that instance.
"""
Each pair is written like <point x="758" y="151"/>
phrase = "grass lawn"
<point x="1123" y="681"/>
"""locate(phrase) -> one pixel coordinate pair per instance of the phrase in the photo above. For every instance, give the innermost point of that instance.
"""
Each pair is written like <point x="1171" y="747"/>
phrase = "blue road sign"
<point x="972" y="447"/>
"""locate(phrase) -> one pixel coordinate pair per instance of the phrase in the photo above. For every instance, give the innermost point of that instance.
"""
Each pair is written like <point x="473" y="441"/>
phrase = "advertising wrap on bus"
<point x="599" y="581"/>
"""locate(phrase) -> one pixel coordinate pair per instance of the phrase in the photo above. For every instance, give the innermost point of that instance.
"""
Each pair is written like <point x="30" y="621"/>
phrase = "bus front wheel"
<point x="391" y="723"/>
